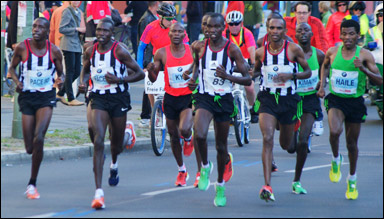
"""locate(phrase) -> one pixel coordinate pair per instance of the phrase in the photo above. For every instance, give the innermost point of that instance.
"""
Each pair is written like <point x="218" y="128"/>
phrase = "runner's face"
<point x="276" y="29"/>
<point x="303" y="33"/>
<point x="39" y="30"/>
<point x="204" y="26"/>
<point x="215" y="28"/>
<point x="349" y="37"/>
<point x="104" y="32"/>
<point x="176" y="34"/>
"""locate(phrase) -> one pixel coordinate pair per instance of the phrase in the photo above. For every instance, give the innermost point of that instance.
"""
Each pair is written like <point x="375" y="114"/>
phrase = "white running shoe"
<point x="318" y="128"/>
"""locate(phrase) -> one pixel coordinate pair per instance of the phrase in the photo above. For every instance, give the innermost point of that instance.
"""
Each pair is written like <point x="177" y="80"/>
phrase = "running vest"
<point x="274" y="64"/>
<point x="37" y="72"/>
<point x="174" y="68"/>
<point x="208" y="82"/>
<point x="308" y="86"/>
<point x="101" y="63"/>
<point x="346" y="80"/>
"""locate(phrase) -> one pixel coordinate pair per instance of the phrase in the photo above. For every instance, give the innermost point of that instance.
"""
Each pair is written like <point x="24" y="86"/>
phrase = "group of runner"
<point x="198" y="84"/>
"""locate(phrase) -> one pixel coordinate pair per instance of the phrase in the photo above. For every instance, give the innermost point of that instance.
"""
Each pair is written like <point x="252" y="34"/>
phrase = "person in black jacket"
<point x="194" y="15"/>
<point x="137" y="8"/>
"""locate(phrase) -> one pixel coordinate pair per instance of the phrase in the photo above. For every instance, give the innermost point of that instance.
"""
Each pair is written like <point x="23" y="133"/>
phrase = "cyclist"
<point x="348" y="65"/>
<point x="277" y="98"/>
<point x="39" y="60"/>
<point x="109" y="100"/>
<point x="310" y="103"/>
<point x="212" y="60"/>
<point x="244" y="39"/>
<point x="176" y="58"/>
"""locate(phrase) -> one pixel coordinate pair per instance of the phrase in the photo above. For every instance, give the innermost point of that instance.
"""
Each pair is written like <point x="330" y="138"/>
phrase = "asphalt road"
<point x="146" y="187"/>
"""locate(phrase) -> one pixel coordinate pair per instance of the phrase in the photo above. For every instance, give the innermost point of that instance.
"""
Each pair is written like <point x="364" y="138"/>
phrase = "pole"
<point x="24" y="31"/>
<point x="3" y="5"/>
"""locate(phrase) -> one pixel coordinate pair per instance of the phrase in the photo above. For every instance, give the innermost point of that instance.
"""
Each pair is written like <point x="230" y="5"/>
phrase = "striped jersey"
<point x="37" y="72"/>
<point x="210" y="60"/>
<point x="101" y="63"/>
<point x="274" y="64"/>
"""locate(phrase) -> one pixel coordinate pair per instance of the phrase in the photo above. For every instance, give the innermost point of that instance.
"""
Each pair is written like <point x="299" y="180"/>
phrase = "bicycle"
<point x="241" y="122"/>
<point x="158" y="126"/>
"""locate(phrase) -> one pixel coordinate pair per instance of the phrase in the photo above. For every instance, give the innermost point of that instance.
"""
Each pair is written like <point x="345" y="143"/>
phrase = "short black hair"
<point x="279" y="18"/>
<point x="108" y="20"/>
<point x="218" y="15"/>
<point x="273" y="15"/>
<point x="208" y="14"/>
<point x="303" y="3"/>
<point x="46" y="22"/>
<point x="350" y="23"/>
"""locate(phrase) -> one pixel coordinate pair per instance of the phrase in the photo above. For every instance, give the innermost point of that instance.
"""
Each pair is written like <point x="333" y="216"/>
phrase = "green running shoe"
<point x="335" y="173"/>
<point x="220" y="199"/>
<point x="204" y="177"/>
<point x="297" y="189"/>
<point x="352" y="192"/>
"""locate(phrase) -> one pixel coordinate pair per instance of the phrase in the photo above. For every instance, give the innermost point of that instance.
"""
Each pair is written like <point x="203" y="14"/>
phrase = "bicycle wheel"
<point x="246" y="123"/>
<point x="158" y="128"/>
<point x="238" y="123"/>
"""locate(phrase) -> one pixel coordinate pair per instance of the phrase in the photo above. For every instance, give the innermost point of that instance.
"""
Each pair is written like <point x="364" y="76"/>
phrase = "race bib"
<point x="214" y="83"/>
<point x="40" y="80"/>
<point x="157" y="87"/>
<point x="344" y="82"/>
<point x="309" y="84"/>
<point x="98" y="78"/>
<point x="270" y="71"/>
<point x="175" y="75"/>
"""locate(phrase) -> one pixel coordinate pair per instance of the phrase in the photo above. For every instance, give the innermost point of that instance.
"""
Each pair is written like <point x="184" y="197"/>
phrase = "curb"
<point x="76" y="152"/>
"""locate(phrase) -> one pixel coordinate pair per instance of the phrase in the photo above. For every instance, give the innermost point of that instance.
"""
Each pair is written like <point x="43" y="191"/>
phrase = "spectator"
<point x="49" y="10"/>
<point x="302" y="15"/>
<point x="356" y="10"/>
<point x="71" y="46"/>
<point x="325" y="10"/>
<point x="54" y="34"/>
<point x="334" y="22"/>
<point x="253" y="17"/>
<point x="194" y="15"/>
<point x="96" y="10"/>
<point x="138" y="8"/>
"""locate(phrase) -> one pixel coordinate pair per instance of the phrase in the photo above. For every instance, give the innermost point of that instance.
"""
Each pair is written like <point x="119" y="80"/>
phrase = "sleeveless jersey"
<point x="174" y="68"/>
<point x="101" y="63"/>
<point x="37" y="72"/>
<point x="210" y="60"/>
<point x="274" y="64"/>
<point x="308" y="86"/>
<point x="346" y="80"/>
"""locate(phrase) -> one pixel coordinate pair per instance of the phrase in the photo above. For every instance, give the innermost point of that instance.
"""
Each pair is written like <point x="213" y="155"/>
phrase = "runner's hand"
<point x="186" y="75"/>
<point x="321" y="92"/>
<point x="19" y="87"/>
<point x="192" y="84"/>
<point x="59" y="82"/>
<point x="358" y="63"/>
<point x="111" y="78"/>
<point x="82" y="88"/>
<point x="220" y="72"/>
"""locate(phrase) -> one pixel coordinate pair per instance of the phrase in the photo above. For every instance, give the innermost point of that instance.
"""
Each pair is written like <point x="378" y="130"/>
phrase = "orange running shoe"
<point x="32" y="192"/>
<point x="131" y="142"/>
<point x="182" y="178"/>
<point x="228" y="169"/>
<point x="196" y="184"/>
<point x="188" y="147"/>
<point x="98" y="203"/>
<point x="266" y="194"/>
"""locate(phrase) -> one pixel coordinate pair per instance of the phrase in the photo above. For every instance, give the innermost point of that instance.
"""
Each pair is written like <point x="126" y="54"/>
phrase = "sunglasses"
<point x="234" y="24"/>
<point x="380" y="15"/>
<point x="169" y="18"/>
<point x="339" y="5"/>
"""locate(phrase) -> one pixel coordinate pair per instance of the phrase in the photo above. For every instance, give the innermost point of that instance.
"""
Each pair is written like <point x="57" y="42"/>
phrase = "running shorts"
<point x="174" y="105"/>
<point x="311" y="104"/>
<point x="30" y="102"/>
<point x="222" y="109"/>
<point x="354" y="109"/>
<point x="117" y="105"/>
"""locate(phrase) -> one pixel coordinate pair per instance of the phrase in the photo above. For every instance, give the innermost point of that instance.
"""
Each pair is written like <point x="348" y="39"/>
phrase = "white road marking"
<point x="312" y="168"/>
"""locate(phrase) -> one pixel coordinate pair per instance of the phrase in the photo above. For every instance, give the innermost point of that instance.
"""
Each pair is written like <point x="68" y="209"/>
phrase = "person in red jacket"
<point x="334" y="22"/>
<point x="302" y="15"/>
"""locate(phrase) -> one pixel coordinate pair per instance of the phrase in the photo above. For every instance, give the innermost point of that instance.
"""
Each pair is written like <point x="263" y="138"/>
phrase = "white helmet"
<point x="234" y="17"/>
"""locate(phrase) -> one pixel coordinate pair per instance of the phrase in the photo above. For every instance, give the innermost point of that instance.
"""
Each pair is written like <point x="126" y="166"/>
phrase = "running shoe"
<point x="197" y="180"/>
<point x="335" y="173"/>
<point x="266" y="194"/>
<point x="182" y="178"/>
<point x="228" y="169"/>
<point x="131" y="142"/>
<point x="351" y="192"/>
<point x="144" y="123"/>
<point x="220" y="199"/>
<point x="309" y="143"/>
<point x="204" y="177"/>
<point x="274" y="167"/>
<point x="297" y="189"/>
<point x="318" y="128"/>
<point x="98" y="203"/>
<point x="113" y="177"/>
<point x="32" y="192"/>
<point x="188" y="147"/>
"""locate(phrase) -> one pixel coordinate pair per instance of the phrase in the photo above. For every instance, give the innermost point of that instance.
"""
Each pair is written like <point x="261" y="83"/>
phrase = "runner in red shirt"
<point x="176" y="59"/>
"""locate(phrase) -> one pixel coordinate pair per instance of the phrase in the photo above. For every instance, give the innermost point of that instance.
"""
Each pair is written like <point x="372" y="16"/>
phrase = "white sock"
<point x="204" y="166"/>
<point x="352" y="177"/>
<point x="113" y="166"/>
<point x="188" y="139"/>
<point x="336" y="159"/>
<point x="220" y="184"/>
<point x="99" y="193"/>
<point x="183" y="168"/>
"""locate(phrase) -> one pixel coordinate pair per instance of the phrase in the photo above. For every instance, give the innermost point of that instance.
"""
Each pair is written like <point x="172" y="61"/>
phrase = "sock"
<point x="99" y="193"/>
<point x="204" y="166"/>
<point x="188" y="139"/>
<point x="352" y="177"/>
<point x="220" y="184"/>
<point x="32" y="182"/>
<point x="336" y="159"/>
<point x="183" y="168"/>
<point x="114" y="166"/>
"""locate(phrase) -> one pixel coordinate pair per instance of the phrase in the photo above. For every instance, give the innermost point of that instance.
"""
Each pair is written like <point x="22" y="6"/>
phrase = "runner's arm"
<point x="258" y="62"/>
<point x="86" y="68"/>
<point x="320" y="60"/>
<point x="324" y="73"/>
<point x="154" y="67"/>
<point x="368" y="66"/>
<point x="123" y="55"/>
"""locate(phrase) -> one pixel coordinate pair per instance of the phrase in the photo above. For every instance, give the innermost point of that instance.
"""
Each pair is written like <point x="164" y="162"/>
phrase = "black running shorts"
<point x="311" y="104"/>
<point x="354" y="109"/>
<point x="117" y="105"/>
<point x="30" y="102"/>
<point x="221" y="109"/>
<point x="173" y="105"/>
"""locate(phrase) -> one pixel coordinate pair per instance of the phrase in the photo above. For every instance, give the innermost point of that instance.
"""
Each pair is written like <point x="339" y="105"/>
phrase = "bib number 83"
<point x="218" y="81"/>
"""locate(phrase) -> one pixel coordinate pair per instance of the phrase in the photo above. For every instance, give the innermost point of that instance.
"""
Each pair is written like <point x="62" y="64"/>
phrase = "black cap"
<point x="57" y="3"/>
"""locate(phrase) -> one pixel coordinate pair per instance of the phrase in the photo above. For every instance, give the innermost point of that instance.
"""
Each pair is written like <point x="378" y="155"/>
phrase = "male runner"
<point x="277" y="100"/>
<point x="214" y="61"/>
<point x="109" y="100"/>
<point x="310" y="103"/>
<point x="177" y="58"/>
<point x="348" y="66"/>
<point x="39" y="59"/>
